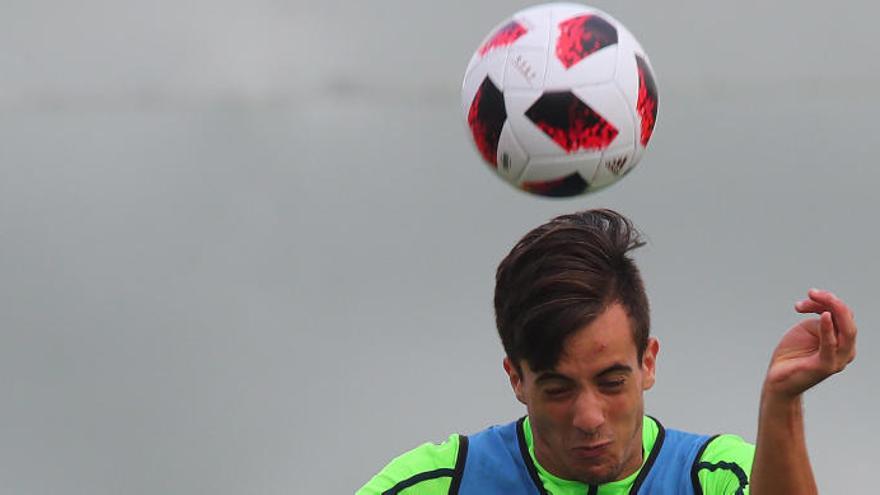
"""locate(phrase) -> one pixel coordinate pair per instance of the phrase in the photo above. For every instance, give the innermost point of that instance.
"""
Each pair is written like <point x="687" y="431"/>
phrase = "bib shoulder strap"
<point x="669" y="467"/>
<point x="498" y="461"/>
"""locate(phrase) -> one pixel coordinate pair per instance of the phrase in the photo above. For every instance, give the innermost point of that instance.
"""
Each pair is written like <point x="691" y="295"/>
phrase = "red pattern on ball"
<point x="581" y="36"/>
<point x="647" y="102"/>
<point x="571" y="123"/>
<point x="486" y="119"/>
<point x="509" y="33"/>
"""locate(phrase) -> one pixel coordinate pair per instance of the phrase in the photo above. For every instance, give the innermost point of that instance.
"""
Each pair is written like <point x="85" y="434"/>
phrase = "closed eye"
<point x="612" y="384"/>
<point x="557" y="392"/>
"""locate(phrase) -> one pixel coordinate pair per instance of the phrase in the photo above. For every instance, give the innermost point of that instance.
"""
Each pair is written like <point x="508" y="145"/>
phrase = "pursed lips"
<point x="592" y="450"/>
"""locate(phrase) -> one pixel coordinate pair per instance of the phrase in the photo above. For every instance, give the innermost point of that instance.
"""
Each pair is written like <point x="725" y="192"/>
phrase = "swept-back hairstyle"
<point x="561" y="276"/>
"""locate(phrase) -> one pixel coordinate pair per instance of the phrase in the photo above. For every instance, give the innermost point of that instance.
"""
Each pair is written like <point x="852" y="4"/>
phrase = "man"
<point x="572" y="314"/>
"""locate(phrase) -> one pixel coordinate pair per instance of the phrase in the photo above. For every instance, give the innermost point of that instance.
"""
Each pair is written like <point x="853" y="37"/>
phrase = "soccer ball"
<point x="561" y="99"/>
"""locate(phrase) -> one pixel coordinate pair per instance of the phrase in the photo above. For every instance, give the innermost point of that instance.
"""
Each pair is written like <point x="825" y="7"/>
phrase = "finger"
<point x="810" y="306"/>
<point x="829" y="298"/>
<point x="841" y="314"/>
<point x="845" y="329"/>
<point x="827" y="339"/>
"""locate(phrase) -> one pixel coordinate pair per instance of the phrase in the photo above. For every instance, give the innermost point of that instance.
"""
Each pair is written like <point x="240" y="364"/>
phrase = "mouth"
<point x="591" y="451"/>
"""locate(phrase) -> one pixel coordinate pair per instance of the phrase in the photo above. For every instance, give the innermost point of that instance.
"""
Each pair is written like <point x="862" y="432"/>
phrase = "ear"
<point x="516" y="381"/>
<point x="649" y="363"/>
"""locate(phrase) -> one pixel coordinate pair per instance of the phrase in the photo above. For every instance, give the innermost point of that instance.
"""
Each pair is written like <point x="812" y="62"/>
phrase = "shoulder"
<point x="426" y="469"/>
<point x="724" y="465"/>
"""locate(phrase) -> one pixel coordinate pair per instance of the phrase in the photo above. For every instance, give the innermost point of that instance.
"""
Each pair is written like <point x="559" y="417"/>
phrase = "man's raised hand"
<point x="814" y="349"/>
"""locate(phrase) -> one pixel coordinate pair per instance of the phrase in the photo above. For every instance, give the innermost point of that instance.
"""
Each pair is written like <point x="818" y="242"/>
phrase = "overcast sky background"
<point x="247" y="247"/>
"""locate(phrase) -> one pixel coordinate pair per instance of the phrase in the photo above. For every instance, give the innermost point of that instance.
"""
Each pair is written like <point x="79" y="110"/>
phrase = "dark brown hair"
<point x="561" y="276"/>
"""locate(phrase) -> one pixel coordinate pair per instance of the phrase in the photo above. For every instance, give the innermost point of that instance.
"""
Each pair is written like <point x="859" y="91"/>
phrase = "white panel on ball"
<point x="615" y="163"/>
<point x="627" y="77"/>
<point x="525" y="68"/>
<point x="512" y="159"/>
<point x="550" y="168"/>
<point x="596" y="68"/>
<point x="496" y="61"/>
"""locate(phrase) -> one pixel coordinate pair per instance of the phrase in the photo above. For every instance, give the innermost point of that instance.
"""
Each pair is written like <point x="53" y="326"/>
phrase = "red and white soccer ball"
<point x="561" y="99"/>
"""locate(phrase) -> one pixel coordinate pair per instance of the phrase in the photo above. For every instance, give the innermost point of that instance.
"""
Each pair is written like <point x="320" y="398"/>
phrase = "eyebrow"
<point x="550" y="376"/>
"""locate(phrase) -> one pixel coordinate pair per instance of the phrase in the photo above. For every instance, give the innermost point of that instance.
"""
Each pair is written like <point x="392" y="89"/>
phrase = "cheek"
<point x="550" y="416"/>
<point x="627" y="408"/>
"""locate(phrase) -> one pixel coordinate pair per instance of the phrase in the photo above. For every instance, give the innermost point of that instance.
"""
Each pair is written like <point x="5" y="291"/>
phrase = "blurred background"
<point x="248" y="248"/>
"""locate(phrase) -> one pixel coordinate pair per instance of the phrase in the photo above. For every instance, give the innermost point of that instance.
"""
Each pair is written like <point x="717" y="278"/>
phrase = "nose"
<point x="589" y="413"/>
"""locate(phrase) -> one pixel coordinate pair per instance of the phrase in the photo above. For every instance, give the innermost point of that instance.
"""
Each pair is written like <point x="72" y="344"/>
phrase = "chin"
<point x="598" y="474"/>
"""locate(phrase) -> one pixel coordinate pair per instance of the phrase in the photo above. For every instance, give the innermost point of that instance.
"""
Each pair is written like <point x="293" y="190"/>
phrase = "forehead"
<point x="606" y="340"/>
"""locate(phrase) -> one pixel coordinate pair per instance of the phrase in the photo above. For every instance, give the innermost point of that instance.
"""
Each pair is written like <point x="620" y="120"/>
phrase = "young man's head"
<point x="573" y="317"/>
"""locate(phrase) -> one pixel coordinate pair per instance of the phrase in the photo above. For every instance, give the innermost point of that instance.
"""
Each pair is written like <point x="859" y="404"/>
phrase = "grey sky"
<point x="247" y="247"/>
